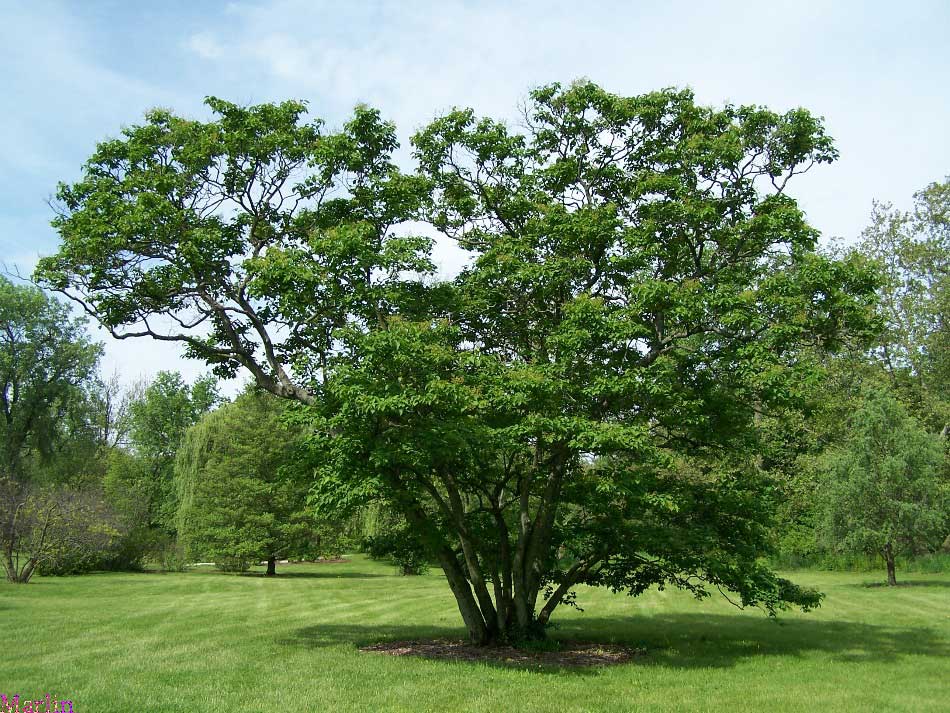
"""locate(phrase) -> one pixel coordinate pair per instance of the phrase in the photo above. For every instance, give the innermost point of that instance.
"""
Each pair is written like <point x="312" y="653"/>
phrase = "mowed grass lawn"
<point x="206" y="641"/>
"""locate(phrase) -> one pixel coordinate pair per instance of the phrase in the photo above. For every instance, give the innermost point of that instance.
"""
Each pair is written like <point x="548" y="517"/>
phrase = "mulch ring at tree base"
<point x="568" y="654"/>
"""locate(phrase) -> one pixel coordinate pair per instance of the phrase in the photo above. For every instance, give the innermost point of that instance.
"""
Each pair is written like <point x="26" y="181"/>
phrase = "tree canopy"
<point x="913" y="249"/>
<point x="45" y="358"/>
<point x="580" y="404"/>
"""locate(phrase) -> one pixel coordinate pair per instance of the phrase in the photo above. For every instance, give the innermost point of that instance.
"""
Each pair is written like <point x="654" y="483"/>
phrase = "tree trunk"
<point x="512" y="615"/>
<point x="271" y="566"/>
<point x="478" y="631"/>
<point x="27" y="571"/>
<point x="888" y="554"/>
<point x="22" y="576"/>
<point x="9" y="567"/>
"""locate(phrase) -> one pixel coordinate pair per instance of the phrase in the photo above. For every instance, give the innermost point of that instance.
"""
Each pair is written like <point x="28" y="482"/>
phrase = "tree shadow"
<point x="358" y="636"/>
<point x="906" y="583"/>
<point x="680" y="640"/>
<point x="721" y="640"/>
<point x="313" y="575"/>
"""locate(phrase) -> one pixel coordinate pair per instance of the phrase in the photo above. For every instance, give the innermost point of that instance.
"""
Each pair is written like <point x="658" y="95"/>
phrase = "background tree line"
<point x="866" y="471"/>
<point x="98" y="473"/>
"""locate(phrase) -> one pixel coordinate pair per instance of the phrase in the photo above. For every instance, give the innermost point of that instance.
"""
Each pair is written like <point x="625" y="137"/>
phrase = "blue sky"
<point x="72" y="74"/>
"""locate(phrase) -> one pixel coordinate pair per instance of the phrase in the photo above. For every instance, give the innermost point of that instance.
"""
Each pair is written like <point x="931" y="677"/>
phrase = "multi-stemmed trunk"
<point x="512" y="614"/>
<point x="13" y="534"/>
<point x="497" y="595"/>
<point x="26" y="573"/>
<point x="15" y="573"/>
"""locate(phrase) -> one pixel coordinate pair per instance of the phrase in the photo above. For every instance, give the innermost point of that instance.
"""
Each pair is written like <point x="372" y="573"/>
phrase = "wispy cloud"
<point x="874" y="71"/>
<point x="205" y="45"/>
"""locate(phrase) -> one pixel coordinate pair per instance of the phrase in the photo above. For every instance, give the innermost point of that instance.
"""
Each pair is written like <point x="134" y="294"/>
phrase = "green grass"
<point x="205" y="641"/>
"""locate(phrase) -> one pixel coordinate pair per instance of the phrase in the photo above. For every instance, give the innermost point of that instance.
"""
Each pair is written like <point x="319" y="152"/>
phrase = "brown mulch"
<point x="569" y="654"/>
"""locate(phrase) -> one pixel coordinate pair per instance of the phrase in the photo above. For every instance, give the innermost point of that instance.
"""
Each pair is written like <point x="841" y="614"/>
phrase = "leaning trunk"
<point x="271" y="567"/>
<point x="478" y="631"/>
<point x="9" y="567"/>
<point x="27" y="571"/>
<point x="888" y="554"/>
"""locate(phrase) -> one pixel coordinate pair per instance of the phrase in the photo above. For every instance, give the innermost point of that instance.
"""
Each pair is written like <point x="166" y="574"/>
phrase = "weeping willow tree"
<point x="239" y="504"/>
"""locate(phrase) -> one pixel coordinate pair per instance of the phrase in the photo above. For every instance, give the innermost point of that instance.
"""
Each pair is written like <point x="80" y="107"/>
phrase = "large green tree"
<point x="579" y="405"/>
<point x="240" y="500"/>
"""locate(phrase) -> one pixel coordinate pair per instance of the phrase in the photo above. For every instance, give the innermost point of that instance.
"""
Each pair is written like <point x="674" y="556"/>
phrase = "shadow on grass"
<point x="683" y="640"/>
<point x="907" y="583"/>
<point x="316" y="637"/>
<point x="314" y="575"/>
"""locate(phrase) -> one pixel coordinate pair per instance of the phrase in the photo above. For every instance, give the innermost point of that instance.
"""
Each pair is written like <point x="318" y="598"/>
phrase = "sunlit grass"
<point x="209" y="641"/>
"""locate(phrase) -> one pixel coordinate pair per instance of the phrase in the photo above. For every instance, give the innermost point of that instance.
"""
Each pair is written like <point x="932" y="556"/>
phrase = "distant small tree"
<point x="883" y="492"/>
<point x="126" y="482"/>
<point x="56" y="530"/>
<point x="238" y="502"/>
<point x="91" y="428"/>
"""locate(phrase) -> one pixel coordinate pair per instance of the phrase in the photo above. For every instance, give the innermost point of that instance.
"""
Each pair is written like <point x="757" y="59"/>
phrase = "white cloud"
<point x="866" y="69"/>
<point x="205" y="45"/>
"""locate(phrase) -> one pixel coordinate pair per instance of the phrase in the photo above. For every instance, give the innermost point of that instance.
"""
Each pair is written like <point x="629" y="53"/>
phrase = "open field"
<point x="209" y="641"/>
